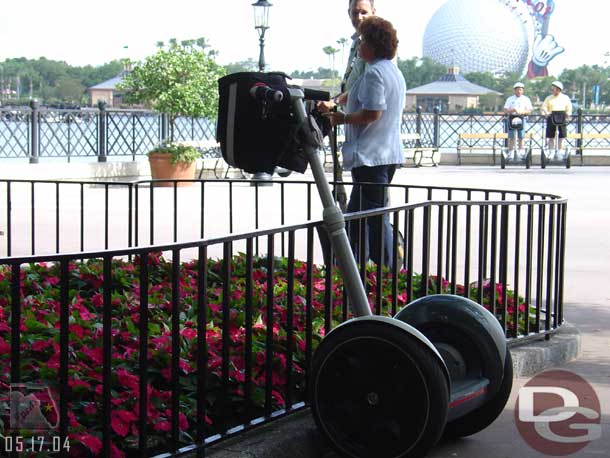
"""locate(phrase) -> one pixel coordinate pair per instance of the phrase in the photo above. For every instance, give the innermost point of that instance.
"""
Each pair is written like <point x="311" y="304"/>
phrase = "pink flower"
<point x="188" y="333"/>
<point x="115" y="452"/>
<point x="120" y="422"/>
<point x="91" y="442"/>
<point x="40" y="345"/>
<point x="162" y="426"/>
<point x="5" y="348"/>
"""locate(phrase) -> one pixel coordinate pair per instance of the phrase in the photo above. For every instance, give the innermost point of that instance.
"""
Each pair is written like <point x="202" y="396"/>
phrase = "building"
<point x="452" y="93"/>
<point x="106" y="91"/>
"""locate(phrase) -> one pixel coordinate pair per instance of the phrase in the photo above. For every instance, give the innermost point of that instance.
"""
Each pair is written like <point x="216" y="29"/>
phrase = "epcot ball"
<point x="478" y="36"/>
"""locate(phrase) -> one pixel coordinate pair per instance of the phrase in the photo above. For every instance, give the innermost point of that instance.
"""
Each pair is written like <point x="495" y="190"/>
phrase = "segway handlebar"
<point x="318" y="96"/>
<point x="262" y="92"/>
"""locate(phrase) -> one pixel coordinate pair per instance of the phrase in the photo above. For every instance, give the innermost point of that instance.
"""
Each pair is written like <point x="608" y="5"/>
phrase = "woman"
<point x="372" y="117"/>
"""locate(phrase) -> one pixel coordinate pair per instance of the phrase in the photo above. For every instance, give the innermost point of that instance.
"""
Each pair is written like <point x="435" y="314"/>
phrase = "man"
<point x="358" y="11"/>
<point x="517" y="107"/>
<point x="553" y="107"/>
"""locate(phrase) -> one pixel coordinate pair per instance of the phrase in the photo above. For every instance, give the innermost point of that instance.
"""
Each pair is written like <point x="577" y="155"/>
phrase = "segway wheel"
<point x="542" y="160"/>
<point x="481" y="418"/>
<point x="502" y="161"/>
<point x="282" y="172"/>
<point x="378" y="391"/>
<point x="568" y="161"/>
<point x="528" y="160"/>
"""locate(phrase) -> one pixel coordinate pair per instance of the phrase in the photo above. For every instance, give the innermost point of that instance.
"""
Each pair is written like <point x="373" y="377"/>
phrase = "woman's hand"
<point x="336" y="118"/>
<point x="325" y="107"/>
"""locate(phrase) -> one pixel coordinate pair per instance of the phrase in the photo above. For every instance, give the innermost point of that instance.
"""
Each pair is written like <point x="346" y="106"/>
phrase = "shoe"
<point x="521" y="154"/>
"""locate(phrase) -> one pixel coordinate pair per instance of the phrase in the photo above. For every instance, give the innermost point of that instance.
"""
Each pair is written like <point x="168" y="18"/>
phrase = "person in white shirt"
<point x="517" y="107"/>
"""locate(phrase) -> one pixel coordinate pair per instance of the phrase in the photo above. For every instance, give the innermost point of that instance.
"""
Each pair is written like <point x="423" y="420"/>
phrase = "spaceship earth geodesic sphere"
<point x="478" y="36"/>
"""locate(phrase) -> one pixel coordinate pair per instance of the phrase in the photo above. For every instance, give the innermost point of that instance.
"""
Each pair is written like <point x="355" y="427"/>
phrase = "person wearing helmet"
<point x="557" y="108"/>
<point x="517" y="107"/>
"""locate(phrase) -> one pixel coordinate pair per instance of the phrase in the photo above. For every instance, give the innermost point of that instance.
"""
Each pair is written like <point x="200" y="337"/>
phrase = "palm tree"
<point x="343" y="43"/>
<point x="330" y="52"/>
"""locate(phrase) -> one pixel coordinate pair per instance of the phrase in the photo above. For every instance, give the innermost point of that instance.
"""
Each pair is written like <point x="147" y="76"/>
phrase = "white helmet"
<point x="558" y="85"/>
<point x="518" y="85"/>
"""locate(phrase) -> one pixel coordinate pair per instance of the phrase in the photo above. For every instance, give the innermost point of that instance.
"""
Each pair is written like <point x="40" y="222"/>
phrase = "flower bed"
<point x="40" y="295"/>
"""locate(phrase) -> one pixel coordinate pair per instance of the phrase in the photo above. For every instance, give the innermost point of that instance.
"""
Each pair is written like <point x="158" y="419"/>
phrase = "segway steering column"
<point x="334" y="222"/>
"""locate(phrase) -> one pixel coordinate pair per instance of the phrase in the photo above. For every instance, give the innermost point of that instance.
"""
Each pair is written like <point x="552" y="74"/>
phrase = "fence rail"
<point x="176" y="328"/>
<point x="38" y="132"/>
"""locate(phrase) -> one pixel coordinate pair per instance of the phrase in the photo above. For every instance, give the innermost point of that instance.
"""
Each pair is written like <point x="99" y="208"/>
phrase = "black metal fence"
<point x="37" y="133"/>
<point x="204" y="321"/>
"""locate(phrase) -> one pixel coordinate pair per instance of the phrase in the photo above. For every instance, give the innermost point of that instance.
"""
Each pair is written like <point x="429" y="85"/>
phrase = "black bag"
<point x="558" y="118"/>
<point x="257" y="136"/>
<point x="516" y="122"/>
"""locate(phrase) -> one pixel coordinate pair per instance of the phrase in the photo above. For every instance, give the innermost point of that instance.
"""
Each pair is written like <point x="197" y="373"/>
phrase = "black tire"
<point x="481" y="418"/>
<point x="282" y="172"/>
<point x="502" y="161"/>
<point x="542" y="160"/>
<point x="378" y="391"/>
<point x="528" y="160"/>
<point x="568" y="161"/>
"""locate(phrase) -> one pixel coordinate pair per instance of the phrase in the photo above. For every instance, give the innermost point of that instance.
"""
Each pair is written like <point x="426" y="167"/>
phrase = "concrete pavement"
<point x="587" y="297"/>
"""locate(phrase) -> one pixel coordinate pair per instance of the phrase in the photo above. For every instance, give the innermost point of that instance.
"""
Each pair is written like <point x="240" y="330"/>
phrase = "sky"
<point x="83" y="33"/>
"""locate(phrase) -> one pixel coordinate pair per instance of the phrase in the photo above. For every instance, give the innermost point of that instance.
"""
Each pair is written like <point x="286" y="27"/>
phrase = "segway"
<point x="556" y="157"/>
<point x="380" y="387"/>
<point x="514" y="155"/>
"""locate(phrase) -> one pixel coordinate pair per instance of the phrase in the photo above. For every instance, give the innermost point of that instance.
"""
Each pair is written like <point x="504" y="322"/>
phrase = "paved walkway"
<point x="587" y="290"/>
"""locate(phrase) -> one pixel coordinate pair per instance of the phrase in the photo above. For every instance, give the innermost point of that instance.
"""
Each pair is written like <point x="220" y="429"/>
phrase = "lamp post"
<point x="261" y="24"/>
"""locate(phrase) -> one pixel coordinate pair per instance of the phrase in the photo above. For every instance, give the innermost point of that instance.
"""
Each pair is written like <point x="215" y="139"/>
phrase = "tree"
<point x="176" y="80"/>
<point x="419" y="71"/>
<point x="243" y="66"/>
<point x="343" y="43"/>
<point x="330" y="52"/>
<point x="69" y="89"/>
<point x="320" y="73"/>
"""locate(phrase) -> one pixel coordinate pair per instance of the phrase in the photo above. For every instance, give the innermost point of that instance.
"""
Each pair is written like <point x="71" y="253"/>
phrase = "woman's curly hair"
<point x="380" y="35"/>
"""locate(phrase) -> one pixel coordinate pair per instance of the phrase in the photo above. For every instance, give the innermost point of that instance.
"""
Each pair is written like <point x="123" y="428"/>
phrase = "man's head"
<point x="519" y="88"/>
<point x="359" y="10"/>
<point x="556" y="87"/>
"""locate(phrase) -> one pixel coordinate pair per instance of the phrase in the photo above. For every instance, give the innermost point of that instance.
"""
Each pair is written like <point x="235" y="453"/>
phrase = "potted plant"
<point x="173" y="161"/>
<point x="179" y="80"/>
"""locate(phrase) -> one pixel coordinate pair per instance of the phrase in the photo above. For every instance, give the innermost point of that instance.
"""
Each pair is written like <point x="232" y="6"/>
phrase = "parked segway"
<point x="380" y="387"/>
<point x="556" y="156"/>
<point x="514" y="155"/>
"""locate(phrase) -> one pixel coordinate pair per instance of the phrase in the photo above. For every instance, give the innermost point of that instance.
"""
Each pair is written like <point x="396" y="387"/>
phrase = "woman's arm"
<point x="357" y="118"/>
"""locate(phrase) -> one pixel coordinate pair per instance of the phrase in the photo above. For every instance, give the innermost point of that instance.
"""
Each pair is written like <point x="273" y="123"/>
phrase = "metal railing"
<point x="36" y="132"/>
<point x="205" y="332"/>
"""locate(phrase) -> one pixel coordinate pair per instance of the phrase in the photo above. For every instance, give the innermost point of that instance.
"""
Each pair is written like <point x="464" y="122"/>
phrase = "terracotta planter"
<point x="161" y="168"/>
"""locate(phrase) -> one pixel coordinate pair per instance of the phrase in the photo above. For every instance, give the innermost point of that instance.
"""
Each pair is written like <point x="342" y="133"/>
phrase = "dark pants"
<point x="368" y="197"/>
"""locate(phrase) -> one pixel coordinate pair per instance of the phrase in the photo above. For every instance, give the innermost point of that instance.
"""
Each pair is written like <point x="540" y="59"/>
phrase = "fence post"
<point x="102" y="144"/>
<point x="35" y="138"/>
<point x="164" y="127"/>
<point x="437" y="127"/>
<point x="579" y="130"/>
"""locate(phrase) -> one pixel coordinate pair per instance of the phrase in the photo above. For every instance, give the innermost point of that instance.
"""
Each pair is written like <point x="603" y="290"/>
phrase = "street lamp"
<point x="261" y="24"/>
